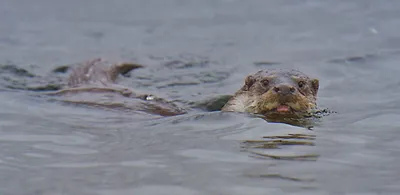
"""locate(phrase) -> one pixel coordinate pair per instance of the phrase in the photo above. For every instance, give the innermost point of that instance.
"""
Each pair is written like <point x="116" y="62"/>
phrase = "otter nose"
<point x="284" y="89"/>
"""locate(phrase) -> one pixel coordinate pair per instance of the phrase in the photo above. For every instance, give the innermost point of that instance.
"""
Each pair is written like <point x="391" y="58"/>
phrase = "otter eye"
<point x="301" y="84"/>
<point x="265" y="82"/>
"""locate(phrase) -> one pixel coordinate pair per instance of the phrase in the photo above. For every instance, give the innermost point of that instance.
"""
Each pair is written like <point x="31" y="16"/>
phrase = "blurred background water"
<point x="194" y="50"/>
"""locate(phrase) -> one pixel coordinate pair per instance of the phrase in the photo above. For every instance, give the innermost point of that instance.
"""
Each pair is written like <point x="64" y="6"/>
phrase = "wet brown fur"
<point x="98" y="72"/>
<point x="94" y="83"/>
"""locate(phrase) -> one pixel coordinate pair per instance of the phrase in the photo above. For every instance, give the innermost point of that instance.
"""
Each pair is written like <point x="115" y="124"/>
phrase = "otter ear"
<point x="315" y="86"/>
<point x="248" y="82"/>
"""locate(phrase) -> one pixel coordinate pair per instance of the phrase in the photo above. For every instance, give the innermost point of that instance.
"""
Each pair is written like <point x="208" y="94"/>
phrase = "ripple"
<point x="216" y="156"/>
<point x="36" y="155"/>
<point x="240" y="190"/>
<point x="179" y="64"/>
<point x="64" y="149"/>
<point x="59" y="139"/>
<point x="262" y="128"/>
<point x="154" y="190"/>
<point x="15" y="71"/>
<point x="379" y="120"/>
<point x="139" y="163"/>
<point x="353" y="59"/>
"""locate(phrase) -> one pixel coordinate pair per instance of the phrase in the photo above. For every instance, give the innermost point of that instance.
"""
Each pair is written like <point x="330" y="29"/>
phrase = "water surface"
<point x="194" y="50"/>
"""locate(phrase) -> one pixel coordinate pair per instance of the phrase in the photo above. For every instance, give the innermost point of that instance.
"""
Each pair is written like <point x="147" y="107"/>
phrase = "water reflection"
<point x="276" y="142"/>
<point x="278" y="176"/>
<point x="306" y="120"/>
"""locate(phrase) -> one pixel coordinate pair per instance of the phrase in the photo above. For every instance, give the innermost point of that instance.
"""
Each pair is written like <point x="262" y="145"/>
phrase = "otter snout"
<point x="284" y="90"/>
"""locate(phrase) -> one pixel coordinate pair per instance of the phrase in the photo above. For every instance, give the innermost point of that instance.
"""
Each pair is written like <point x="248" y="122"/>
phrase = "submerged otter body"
<point x="94" y="83"/>
<point x="275" y="92"/>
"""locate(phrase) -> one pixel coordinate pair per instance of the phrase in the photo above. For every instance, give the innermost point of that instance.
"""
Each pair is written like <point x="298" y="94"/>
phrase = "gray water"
<point x="195" y="50"/>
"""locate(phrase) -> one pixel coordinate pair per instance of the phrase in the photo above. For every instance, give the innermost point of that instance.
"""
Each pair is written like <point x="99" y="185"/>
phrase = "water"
<point x="195" y="50"/>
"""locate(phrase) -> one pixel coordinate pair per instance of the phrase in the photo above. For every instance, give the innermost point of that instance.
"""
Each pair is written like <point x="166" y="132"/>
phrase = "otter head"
<point x="275" y="91"/>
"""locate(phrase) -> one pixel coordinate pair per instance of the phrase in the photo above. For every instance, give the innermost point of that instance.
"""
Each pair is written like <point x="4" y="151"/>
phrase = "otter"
<point x="275" y="92"/>
<point x="94" y="83"/>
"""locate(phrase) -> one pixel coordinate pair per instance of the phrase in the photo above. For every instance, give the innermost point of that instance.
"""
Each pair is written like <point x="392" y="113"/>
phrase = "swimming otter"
<point x="275" y="92"/>
<point x="93" y="83"/>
